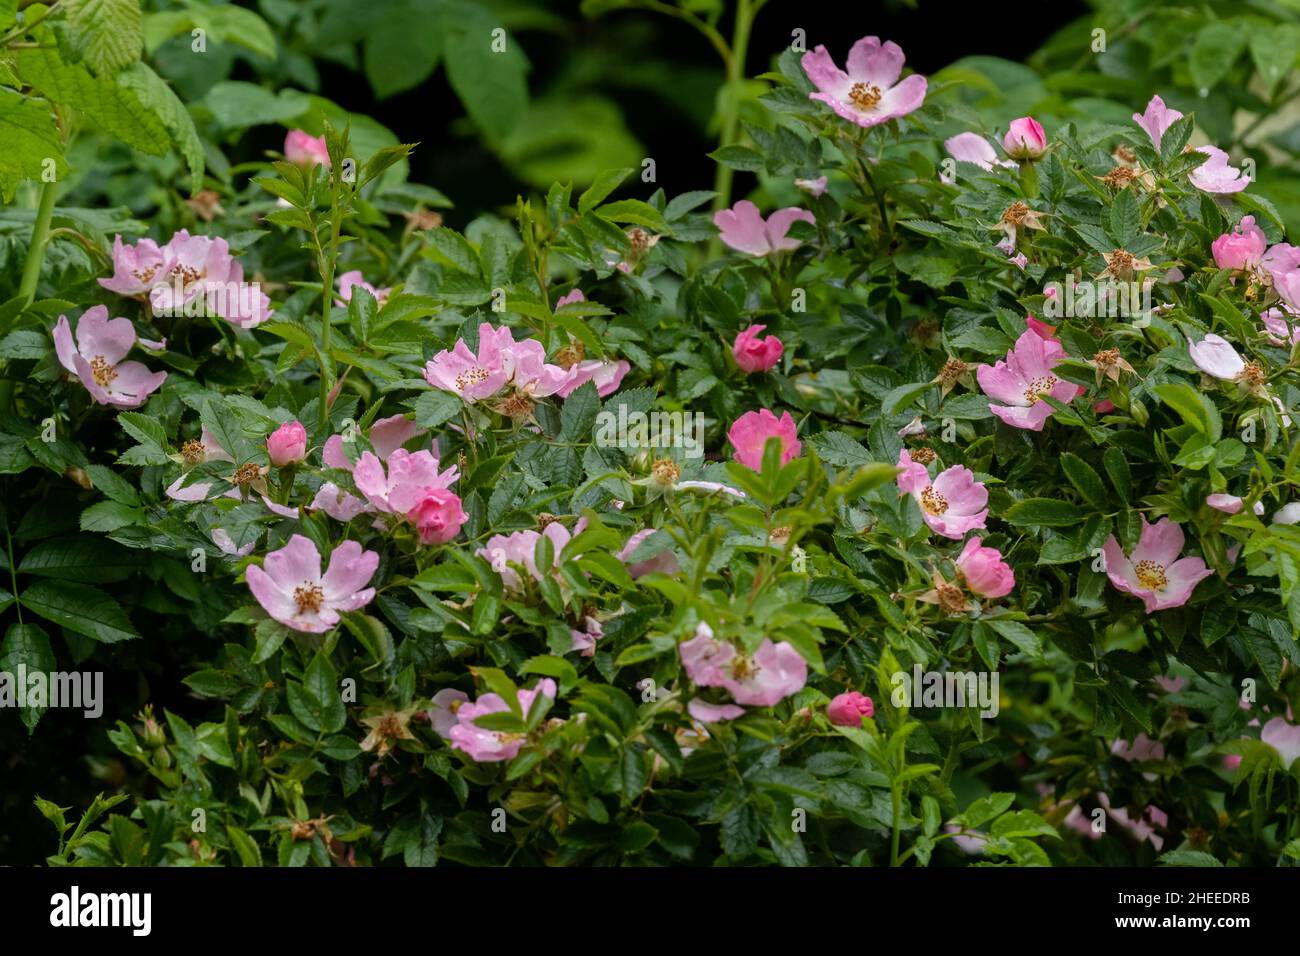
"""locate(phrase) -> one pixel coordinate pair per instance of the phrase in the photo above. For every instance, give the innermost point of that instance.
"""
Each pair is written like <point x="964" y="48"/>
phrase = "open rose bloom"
<point x="951" y="505"/>
<point x="290" y="587"/>
<point x="1018" y="383"/>
<point x="1155" y="573"/>
<point x="868" y="92"/>
<point x="96" y="357"/>
<point x="750" y="432"/>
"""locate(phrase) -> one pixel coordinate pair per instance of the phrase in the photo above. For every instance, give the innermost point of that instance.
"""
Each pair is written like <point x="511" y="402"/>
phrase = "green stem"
<point x="896" y="799"/>
<point x="330" y="260"/>
<point x="735" y="64"/>
<point x="40" y="235"/>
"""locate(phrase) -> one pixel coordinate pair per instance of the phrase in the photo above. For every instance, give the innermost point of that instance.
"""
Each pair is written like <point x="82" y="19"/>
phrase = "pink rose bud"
<point x="985" y="572"/>
<point x="848" y="709"/>
<point x="303" y="149"/>
<point x="1025" y="139"/>
<point x="438" y="517"/>
<point x="287" y="444"/>
<point x="754" y="354"/>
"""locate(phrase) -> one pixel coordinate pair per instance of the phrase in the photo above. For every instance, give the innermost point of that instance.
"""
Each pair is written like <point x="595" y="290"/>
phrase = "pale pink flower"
<point x="287" y="445"/>
<point x="986" y="573"/>
<point x="339" y="504"/>
<point x="490" y="746"/>
<point x="574" y="296"/>
<point x="1215" y="175"/>
<point x="753" y="354"/>
<point x="848" y="709"/>
<point x="1141" y="750"/>
<point x="354" y="279"/>
<point x="226" y="543"/>
<point x="532" y="375"/>
<point x="703" y="657"/>
<point x="507" y="553"/>
<point x="749" y="434"/>
<point x="1284" y="738"/>
<point x="707" y="713"/>
<point x="814" y="187"/>
<point x="438" y="516"/>
<point x="96" y="359"/>
<point x="303" y="149"/>
<point x="207" y="449"/>
<point x="290" y="587"/>
<point x="584" y="639"/>
<point x="1288" y="514"/>
<point x="1023" y="378"/>
<point x="1171" y="684"/>
<point x="1144" y="828"/>
<point x="743" y="228"/>
<point x="1153" y="572"/>
<point x="1216" y="357"/>
<point x="869" y="93"/>
<point x="952" y="505"/>
<point x="442" y="715"/>
<point x="136" y="268"/>
<point x="409" y="478"/>
<point x="1243" y="248"/>
<point x="975" y="149"/>
<point x="1025" y="139"/>
<point x="664" y="561"/>
<point x="1157" y="119"/>
<point x="775" y="671"/>
<point x="1231" y="504"/>
<point x="1279" y="329"/>
<point x="474" y="377"/>
<point x="193" y="262"/>
<point x="607" y="376"/>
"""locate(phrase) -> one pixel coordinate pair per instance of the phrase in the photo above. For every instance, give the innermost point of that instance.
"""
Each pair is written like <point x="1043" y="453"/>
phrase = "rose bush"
<point x="386" y="492"/>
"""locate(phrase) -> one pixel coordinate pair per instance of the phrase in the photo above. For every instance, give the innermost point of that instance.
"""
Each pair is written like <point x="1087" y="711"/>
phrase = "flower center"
<point x="517" y="406"/>
<point x="193" y="451"/>
<point x="1151" y="575"/>
<point x="470" y="377"/>
<point x="665" y="471"/>
<point x="742" y="668"/>
<point x="145" y="275"/>
<point x="1039" y="387"/>
<point x="864" y="96"/>
<point x="188" y="274"/>
<point x="570" y="355"/>
<point x="1121" y="264"/>
<point x="924" y="455"/>
<point x="1016" y="213"/>
<point x="951" y="598"/>
<point x="1252" y="374"/>
<point x="952" y="370"/>
<point x="1119" y="177"/>
<point x="247" y="474"/>
<point x="932" y="501"/>
<point x="308" y="597"/>
<point x="1106" y="357"/>
<point x="103" y="372"/>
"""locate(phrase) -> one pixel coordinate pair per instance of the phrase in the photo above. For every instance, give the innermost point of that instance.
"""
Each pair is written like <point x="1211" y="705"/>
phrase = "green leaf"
<point x="321" y="684"/>
<point x="154" y="95"/>
<point x="397" y="56"/>
<point x="80" y="608"/>
<point x="1018" y="634"/>
<point x="30" y="138"/>
<point x="88" y="559"/>
<point x="1214" y="51"/>
<point x="1086" y="481"/>
<point x="1193" y="407"/>
<point x="106" y="34"/>
<point x="600" y="190"/>
<point x="1044" y="513"/>
<point x="28" y="645"/>
<point x="490" y="84"/>
<point x="1117" y="470"/>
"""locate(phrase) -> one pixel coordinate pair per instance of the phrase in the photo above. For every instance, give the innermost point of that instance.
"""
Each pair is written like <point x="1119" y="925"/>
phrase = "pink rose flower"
<point x="409" y="478"/>
<point x="1243" y="248"/>
<point x="743" y="228"/>
<point x="354" y="279"/>
<point x="952" y="505"/>
<point x="438" y="517"/>
<point x="303" y="149"/>
<point x="1154" y="573"/>
<point x="491" y="746"/>
<point x="442" y="716"/>
<point x="774" y="672"/>
<point x="754" y="354"/>
<point x="663" y="561"/>
<point x="707" y="713"/>
<point x="287" y="444"/>
<point x="584" y="639"/>
<point x="703" y="657"/>
<point x="507" y="553"/>
<point x="869" y="93"/>
<point x="96" y="359"/>
<point x="474" y="377"/>
<point x="749" y="434"/>
<point x="206" y="450"/>
<point x="985" y="572"/>
<point x="1025" y="139"/>
<point x="291" y="588"/>
<point x="1284" y="738"/>
<point x="1040" y="328"/>
<point x="974" y="149"/>
<point x="1021" y="381"/>
<point x="1279" y="329"/>
<point x="137" y="268"/>
<point x="1216" y="357"/>
<point x="1157" y="119"/>
<point x="848" y="709"/>
<point x="1215" y="175"/>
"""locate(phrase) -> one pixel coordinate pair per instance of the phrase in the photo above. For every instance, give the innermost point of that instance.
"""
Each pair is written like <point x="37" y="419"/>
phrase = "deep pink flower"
<point x="491" y="746"/>
<point x="1025" y="139"/>
<point x="749" y="434"/>
<point x="96" y="358"/>
<point x="1284" y="738"/>
<point x="743" y="228"/>
<point x="848" y="709"/>
<point x="303" y="149"/>
<point x="386" y="436"/>
<point x="287" y="444"/>
<point x="1215" y="175"/>
<point x="1157" y="119"/>
<point x="952" y="505"/>
<point x="136" y="268"/>
<point x="1040" y="328"/>
<point x="351" y="280"/>
<point x="869" y="93"/>
<point x="291" y="588"/>
<point x="1242" y="248"/>
<point x="410" y="477"/>
<point x="774" y="672"/>
<point x="1023" y="379"/>
<point x="754" y="354"/>
<point x="438" y="516"/>
<point x="986" y="573"/>
<point x="1154" y="572"/>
